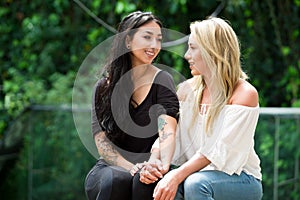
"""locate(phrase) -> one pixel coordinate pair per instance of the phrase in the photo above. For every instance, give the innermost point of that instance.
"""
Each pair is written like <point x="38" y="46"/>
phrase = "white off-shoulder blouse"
<point x="230" y="144"/>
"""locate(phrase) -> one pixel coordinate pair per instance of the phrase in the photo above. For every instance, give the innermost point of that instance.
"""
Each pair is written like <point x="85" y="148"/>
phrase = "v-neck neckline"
<point x="147" y="96"/>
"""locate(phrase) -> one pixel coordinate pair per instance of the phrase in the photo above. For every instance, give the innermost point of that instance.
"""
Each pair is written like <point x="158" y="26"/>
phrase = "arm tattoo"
<point x="109" y="153"/>
<point x="161" y="125"/>
<point x="164" y="136"/>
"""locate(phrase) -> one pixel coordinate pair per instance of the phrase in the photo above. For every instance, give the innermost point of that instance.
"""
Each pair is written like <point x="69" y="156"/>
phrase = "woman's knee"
<point x="197" y="184"/>
<point x="209" y="184"/>
<point x="108" y="182"/>
<point x="141" y="190"/>
<point x="98" y="180"/>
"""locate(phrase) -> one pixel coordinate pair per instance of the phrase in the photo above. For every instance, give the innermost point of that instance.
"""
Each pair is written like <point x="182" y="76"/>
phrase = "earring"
<point x="128" y="46"/>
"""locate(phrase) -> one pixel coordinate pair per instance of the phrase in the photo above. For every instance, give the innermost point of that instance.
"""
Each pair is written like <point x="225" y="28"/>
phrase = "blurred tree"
<point x="43" y="44"/>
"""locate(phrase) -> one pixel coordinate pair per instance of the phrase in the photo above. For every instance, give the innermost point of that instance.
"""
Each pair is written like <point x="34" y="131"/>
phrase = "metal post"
<point x="30" y="159"/>
<point x="276" y="157"/>
<point x="296" y="175"/>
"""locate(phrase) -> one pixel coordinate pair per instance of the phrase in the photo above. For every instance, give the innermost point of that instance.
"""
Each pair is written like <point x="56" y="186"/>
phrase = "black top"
<point x="140" y="135"/>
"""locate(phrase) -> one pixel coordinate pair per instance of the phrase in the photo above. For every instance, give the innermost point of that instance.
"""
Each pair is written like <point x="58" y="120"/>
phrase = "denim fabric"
<point x="217" y="185"/>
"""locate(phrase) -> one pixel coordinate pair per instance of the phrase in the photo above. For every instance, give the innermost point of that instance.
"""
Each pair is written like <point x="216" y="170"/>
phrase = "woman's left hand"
<point x="151" y="172"/>
<point x="167" y="187"/>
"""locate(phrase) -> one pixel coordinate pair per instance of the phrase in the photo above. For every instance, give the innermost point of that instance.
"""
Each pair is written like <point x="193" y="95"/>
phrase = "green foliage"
<point x="53" y="162"/>
<point x="43" y="44"/>
<point x="268" y="38"/>
<point x="60" y="92"/>
<point x="287" y="128"/>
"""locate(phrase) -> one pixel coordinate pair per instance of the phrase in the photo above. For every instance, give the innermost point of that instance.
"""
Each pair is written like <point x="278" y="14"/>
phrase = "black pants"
<point x="105" y="182"/>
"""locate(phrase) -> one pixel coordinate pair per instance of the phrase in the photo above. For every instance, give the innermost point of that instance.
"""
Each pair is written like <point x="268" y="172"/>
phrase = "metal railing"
<point x="278" y="114"/>
<point x="275" y="130"/>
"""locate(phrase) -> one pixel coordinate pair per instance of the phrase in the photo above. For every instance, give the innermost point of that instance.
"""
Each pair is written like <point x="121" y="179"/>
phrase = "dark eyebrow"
<point x="151" y="33"/>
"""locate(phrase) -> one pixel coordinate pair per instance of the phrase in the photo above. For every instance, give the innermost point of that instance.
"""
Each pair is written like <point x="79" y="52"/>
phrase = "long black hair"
<point x="119" y="63"/>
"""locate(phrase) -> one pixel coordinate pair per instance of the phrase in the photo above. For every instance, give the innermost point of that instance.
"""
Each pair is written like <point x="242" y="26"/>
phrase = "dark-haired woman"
<point x="133" y="104"/>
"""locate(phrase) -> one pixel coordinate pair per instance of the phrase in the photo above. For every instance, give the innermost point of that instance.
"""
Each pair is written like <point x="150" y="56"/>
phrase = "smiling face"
<point x="194" y="58"/>
<point x="145" y="44"/>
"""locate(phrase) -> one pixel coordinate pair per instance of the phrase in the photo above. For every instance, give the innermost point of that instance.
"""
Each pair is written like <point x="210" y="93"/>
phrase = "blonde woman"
<point x="219" y="110"/>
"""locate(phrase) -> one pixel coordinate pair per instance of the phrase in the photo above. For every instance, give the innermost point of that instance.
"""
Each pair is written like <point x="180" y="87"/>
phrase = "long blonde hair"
<point x="220" y="50"/>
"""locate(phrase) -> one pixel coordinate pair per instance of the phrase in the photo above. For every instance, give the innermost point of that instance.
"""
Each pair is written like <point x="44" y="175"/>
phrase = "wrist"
<point x="166" y="168"/>
<point x="179" y="175"/>
<point x="128" y="166"/>
<point x="154" y="155"/>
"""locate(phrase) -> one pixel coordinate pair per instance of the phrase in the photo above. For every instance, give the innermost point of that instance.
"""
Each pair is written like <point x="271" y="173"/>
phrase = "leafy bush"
<point x="53" y="163"/>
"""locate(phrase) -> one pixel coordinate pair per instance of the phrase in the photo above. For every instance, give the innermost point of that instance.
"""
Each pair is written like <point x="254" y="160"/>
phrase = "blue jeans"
<point x="219" y="186"/>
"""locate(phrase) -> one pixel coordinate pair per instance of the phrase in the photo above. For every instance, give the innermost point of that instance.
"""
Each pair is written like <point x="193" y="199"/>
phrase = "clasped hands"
<point x="150" y="171"/>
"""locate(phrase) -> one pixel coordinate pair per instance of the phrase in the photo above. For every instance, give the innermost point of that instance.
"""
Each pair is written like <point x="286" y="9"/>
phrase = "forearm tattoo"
<point x="107" y="151"/>
<point x="164" y="136"/>
<point x="161" y="126"/>
<point x="161" y="123"/>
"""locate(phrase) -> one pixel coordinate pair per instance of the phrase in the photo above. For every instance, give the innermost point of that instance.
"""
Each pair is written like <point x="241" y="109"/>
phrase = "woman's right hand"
<point x="152" y="172"/>
<point x="166" y="188"/>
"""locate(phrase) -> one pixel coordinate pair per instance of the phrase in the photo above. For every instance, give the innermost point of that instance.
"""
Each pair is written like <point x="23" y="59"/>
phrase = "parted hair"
<point x="118" y="63"/>
<point x="220" y="50"/>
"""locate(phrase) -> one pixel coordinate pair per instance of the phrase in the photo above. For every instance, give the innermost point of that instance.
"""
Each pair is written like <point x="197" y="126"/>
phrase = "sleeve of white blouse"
<point x="232" y="139"/>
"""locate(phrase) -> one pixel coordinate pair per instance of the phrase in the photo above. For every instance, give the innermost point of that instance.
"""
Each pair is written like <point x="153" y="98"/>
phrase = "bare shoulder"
<point x="245" y="94"/>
